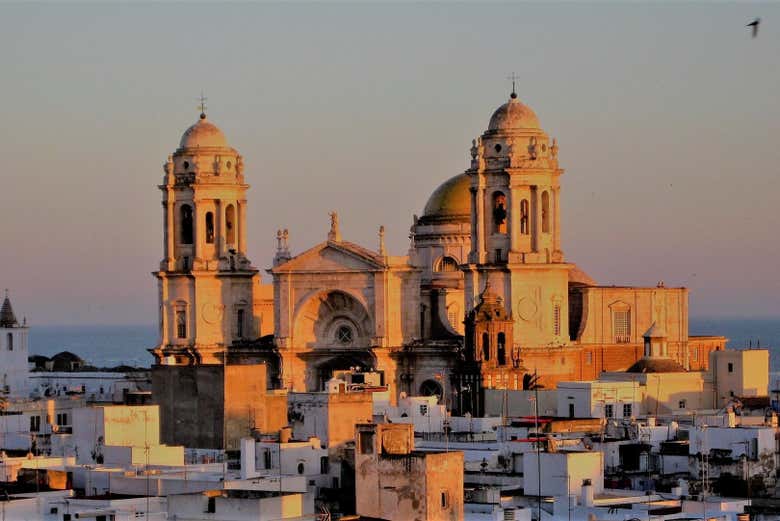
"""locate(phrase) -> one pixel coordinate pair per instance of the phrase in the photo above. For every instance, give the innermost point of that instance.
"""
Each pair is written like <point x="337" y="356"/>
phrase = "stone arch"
<point x="323" y="315"/>
<point x="446" y="264"/>
<point x="431" y="388"/>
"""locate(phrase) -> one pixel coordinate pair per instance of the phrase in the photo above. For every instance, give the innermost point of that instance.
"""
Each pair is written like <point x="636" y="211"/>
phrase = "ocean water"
<point x="106" y="346"/>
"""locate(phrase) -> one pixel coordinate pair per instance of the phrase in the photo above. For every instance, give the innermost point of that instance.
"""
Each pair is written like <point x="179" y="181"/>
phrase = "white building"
<point x="13" y="353"/>
<point x="599" y="399"/>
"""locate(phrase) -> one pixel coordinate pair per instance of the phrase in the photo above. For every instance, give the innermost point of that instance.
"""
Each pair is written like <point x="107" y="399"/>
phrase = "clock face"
<point x="211" y="313"/>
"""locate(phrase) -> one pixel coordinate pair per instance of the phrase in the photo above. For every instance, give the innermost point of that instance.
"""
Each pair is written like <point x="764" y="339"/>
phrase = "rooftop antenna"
<point x="513" y="78"/>
<point x="202" y="105"/>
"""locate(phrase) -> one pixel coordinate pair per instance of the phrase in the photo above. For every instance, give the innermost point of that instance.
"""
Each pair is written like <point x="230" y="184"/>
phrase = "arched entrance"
<point x="334" y="330"/>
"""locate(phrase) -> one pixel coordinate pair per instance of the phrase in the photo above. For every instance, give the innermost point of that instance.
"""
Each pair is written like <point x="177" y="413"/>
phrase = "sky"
<point x="667" y="116"/>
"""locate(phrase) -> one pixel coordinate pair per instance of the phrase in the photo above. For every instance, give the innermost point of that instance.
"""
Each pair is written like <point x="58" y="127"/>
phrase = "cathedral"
<point x="484" y="299"/>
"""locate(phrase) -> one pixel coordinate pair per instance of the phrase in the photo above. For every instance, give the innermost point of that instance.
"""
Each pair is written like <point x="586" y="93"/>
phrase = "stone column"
<point x="557" y="216"/>
<point x="168" y="231"/>
<point x="197" y="247"/>
<point x="475" y="211"/>
<point x="514" y="219"/>
<point x="240" y="219"/>
<point x="481" y="229"/>
<point x="533" y="212"/>
<point x="220" y="227"/>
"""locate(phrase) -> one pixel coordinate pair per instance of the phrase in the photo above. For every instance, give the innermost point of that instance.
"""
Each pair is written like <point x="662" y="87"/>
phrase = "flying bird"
<point x="754" y="24"/>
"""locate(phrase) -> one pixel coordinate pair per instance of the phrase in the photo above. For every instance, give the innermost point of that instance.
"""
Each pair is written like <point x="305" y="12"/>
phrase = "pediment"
<point x="333" y="257"/>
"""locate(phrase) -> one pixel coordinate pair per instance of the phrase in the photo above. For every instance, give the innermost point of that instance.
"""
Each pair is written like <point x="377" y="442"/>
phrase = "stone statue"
<point x="554" y="148"/>
<point x="382" y="240"/>
<point x="334" y="234"/>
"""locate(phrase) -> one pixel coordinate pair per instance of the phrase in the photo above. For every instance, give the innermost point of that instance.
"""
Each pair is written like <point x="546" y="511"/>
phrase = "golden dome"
<point x="203" y="134"/>
<point x="513" y="115"/>
<point x="450" y="199"/>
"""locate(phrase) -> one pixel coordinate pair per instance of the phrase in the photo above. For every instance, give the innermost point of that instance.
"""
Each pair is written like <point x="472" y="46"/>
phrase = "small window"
<point x="731" y="367"/>
<point x="445" y="499"/>
<point x="556" y="319"/>
<point x="545" y="212"/>
<point x="501" y="349"/>
<point x="181" y="323"/>
<point x="497" y="148"/>
<point x="447" y="265"/>
<point x="267" y="459"/>
<point x="35" y="423"/>
<point x="682" y="404"/>
<point x="301" y="468"/>
<point x="485" y="346"/>
<point x="499" y="213"/>
<point x="186" y="224"/>
<point x="366" y="442"/>
<point x="211" y="508"/>
<point x="344" y="335"/>
<point x="609" y="411"/>
<point x="240" y="323"/>
<point x="424" y="409"/>
<point x="524" y="228"/>
<point x="10" y="338"/>
<point x="627" y="410"/>
<point x="324" y="465"/>
<point x="209" y="228"/>
<point x="230" y="218"/>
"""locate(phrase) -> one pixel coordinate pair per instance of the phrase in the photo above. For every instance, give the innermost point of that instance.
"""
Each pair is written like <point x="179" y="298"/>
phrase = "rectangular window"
<point x="366" y="442"/>
<point x="211" y="508"/>
<point x="682" y="404"/>
<point x="609" y="411"/>
<point x="627" y="410"/>
<point x="35" y="423"/>
<point x="424" y="409"/>
<point x="622" y="326"/>
<point x="324" y="467"/>
<point x="556" y="319"/>
<point x="240" y="323"/>
<point x="731" y="367"/>
<point x="445" y="499"/>
<point x="181" y="324"/>
<point x="267" y="459"/>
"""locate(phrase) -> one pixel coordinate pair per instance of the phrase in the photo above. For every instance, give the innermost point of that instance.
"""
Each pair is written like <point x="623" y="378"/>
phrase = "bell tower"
<point x="515" y="226"/>
<point x="205" y="280"/>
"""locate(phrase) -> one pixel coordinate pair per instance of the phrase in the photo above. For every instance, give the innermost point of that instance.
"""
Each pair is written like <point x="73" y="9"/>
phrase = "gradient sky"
<point x="667" y="116"/>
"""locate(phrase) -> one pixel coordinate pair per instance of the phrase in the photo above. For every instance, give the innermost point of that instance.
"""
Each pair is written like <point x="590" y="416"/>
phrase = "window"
<point x="366" y="442"/>
<point x="545" y="212"/>
<point x="556" y="319"/>
<point x="344" y="335"/>
<point x="35" y="423"/>
<point x="324" y="465"/>
<point x="447" y="265"/>
<point x="524" y="228"/>
<point x="627" y="410"/>
<point x="186" y="224"/>
<point x="501" y="348"/>
<point x="240" y="323"/>
<point x="499" y="213"/>
<point x="571" y="410"/>
<point x="731" y="367"/>
<point x="62" y="419"/>
<point x="209" y="228"/>
<point x="267" y="459"/>
<point x="682" y="404"/>
<point x="181" y="323"/>
<point x="485" y="346"/>
<point x="10" y="342"/>
<point x="445" y="499"/>
<point x="230" y="228"/>
<point x="622" y="326"/>
<point x="499" y="257"/>
<point x="211" y="508"/>
<point x="301" y="468"/>
<point x="424" y="409"/>
<point x="609" y="411"/>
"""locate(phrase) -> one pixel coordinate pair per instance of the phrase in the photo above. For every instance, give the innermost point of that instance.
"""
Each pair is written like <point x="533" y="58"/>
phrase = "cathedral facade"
<point x="484" y="298"/>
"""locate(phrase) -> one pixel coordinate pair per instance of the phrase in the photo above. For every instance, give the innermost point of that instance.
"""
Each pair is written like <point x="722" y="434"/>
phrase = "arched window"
<point x="485" y="346"/>
<point x="230" y="224"/>
<point x="545" y="212"/>
<point x="10" y="342"/>
<point x="186" y="224"/>
<point x="181" y="320"/>
<point x="524" y="228"/>
<point x="446" y="265"/>
<point x="209" y="228"/>
<point x="501" y="348"/>
<point x="499" y="212"/>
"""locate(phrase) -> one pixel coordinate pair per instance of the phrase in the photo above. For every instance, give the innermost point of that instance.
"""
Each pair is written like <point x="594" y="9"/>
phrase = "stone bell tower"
<point x="205" y="280"/>
<point x="515" y="226"/>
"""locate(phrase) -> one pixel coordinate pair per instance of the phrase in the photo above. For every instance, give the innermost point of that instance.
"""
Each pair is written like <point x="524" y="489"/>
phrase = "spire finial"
<point x="202" y="105"/>
<point x="513" y="78"/>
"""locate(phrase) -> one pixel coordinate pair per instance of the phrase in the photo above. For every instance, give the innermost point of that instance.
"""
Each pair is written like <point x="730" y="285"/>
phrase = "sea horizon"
<point x="109" y="345"/>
